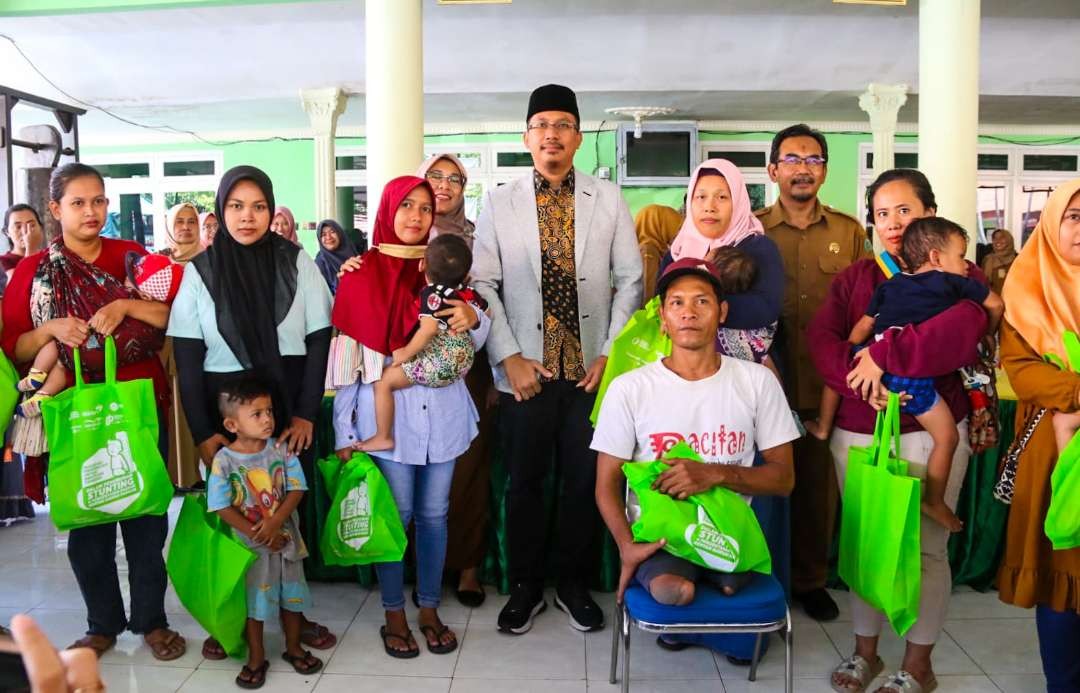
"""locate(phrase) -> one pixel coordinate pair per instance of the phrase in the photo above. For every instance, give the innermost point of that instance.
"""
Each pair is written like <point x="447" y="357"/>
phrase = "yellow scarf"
<point x="1042" y="290"/>
<point x="405" y="252"/>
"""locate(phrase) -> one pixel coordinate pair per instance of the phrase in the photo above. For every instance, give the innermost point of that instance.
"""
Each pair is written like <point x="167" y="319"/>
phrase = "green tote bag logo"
<point x="719" y="551"/>
<point x="355" y="526"/>
<point x="110" y="480"/>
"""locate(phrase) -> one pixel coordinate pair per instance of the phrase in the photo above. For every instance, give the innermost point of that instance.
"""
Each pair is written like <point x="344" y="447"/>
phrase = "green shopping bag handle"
<point x="887" y="425"/>
<point x="110" y="364"/>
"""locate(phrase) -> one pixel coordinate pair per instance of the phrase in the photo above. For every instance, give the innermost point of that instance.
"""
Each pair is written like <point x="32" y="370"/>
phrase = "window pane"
<point x="993" y="162"/>
<point x="189" y="168"/>
<point x="202" y="199"/>
<point x="473" y="200"/>
<point x="513" y="159"/>
<point x="742" y="159"/>
<point x="1050" y="162"/>
<point x="757" y="195"/>
<point x="900" y="160"/>
<point x="351" y="163"/>
<point x="140" y="170"/>
<point x="131" y="216"/>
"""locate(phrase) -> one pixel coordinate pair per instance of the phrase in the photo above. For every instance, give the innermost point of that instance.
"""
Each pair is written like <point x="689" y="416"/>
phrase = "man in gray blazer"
<point x="556" y="258"/>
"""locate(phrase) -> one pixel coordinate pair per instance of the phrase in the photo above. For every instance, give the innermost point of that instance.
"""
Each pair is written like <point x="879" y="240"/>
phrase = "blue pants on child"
<point x="422" y="494"/>
<point x="1059" y="646"/>
<point x="923" y="394"/>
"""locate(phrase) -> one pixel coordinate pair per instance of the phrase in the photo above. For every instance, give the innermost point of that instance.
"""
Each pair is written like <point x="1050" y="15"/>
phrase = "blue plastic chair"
<point x="759" y="607"/>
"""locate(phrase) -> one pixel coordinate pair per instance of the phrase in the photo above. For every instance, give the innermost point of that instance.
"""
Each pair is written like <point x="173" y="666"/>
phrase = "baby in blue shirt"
<point x="933" y="249"/>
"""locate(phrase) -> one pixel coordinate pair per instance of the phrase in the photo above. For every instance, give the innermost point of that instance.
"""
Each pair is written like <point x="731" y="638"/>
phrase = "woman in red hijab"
<point x="376" y="305"/>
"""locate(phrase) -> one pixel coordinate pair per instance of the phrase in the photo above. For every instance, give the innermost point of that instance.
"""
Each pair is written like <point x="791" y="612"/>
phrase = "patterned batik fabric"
<point x="562" y="332"/>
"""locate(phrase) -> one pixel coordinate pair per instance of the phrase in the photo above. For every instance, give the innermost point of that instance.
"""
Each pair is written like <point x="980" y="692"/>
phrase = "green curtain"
<point x="974" y="553"/>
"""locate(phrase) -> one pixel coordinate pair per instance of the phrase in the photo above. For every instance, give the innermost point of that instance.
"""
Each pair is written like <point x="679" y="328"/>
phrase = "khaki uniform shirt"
<point x="812" y="258"/>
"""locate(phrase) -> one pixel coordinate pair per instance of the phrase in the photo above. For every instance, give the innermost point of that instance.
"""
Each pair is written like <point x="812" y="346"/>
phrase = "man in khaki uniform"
<point x="816" y="242"/>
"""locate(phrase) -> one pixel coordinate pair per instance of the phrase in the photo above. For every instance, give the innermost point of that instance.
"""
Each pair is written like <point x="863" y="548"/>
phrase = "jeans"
<point x="92" y="553"/>
<point x="551" y="427"/>
<point x="422" y="494"/>
<point x="1059" y="646"/>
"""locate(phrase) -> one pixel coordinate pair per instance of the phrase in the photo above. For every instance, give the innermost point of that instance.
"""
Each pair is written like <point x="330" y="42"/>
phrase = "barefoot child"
<point x="153" y="277"/>
<point x="255" y="487"/>
<point x="433" y="357"/>
<point x="934" y="248"/>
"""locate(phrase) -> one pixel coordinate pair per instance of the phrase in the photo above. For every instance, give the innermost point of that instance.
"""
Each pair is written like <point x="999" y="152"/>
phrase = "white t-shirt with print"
<point x="725" y="418"/>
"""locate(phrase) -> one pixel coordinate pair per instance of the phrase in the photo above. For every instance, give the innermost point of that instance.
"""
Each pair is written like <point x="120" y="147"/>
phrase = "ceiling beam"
<point x="27" y="8"/>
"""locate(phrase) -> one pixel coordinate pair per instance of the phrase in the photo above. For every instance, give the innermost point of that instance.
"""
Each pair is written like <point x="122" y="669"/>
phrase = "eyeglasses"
<point x="453" y="178"/>
<point x="562" y="127"/>
<point x="810" y="161"/>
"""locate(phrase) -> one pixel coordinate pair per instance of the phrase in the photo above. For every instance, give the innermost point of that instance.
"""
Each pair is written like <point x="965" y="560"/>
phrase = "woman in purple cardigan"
<point x="895" y="199"/>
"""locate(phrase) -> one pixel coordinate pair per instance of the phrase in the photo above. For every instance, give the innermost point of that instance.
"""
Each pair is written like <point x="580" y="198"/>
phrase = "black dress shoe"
<point x="526" y="601"/>
<point x="585" y="614"/>
<point x="818" y="604"/>
<point x="471" y="598"/>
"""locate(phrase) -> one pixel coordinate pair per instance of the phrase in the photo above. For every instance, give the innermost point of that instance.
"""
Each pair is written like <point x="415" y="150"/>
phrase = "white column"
<point x="949" y="106"/>
<point x="882" y="102"/>
<point x="323" y="107"/>
<point x="394" y="68"/>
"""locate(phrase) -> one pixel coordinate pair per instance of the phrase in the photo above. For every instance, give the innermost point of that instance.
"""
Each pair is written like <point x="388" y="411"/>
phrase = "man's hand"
<point x="209" y="447"/>
<point x="684" y="478"/>
<point x="865" y="378"/>
<point x="594" y="375"/>
<point x="522" y="374"/>
<point x="632" y="555"/>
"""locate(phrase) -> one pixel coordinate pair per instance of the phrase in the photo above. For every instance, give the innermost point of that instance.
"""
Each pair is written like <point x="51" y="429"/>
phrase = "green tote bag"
<point x="1062" y="524"/>
<point x="716" y="529"/>
<point x="879" y="527"/>
<point x="9" y="393"/>
<point x="208" y="568"/>
<point x="641" y="341"/>
<point x="363" y="525"/>
<point x="104" y="462"/>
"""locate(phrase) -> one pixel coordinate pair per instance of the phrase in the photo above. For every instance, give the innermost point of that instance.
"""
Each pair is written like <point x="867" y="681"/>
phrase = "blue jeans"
<point x="422" y="494"/>
<point x="1059" y="645"/>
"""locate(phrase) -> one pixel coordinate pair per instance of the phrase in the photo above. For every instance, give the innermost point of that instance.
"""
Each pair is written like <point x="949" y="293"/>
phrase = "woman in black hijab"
<point x="252" y="305"/>
<point x="334" y="249"/>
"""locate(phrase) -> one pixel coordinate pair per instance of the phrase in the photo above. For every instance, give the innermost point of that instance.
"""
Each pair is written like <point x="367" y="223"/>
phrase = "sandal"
<point x="167" y="645"/>
<point x="100" y="644"/>
<point x="858" y="669"/>
<point x="255" y="677"/>
<point x="212" y="649"/>
<point x="435" y="633"/>
<point x="413" y="650"/>
<point x="303" y="664"/>
<point x="904" y="682"/>
<point x="317" y="636"/>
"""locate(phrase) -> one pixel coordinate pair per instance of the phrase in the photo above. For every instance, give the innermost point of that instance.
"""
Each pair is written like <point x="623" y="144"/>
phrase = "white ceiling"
<point x="240" y="68"/>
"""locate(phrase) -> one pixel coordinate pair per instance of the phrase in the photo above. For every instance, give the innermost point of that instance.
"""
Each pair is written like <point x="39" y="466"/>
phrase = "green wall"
<point x="289" y="164"/>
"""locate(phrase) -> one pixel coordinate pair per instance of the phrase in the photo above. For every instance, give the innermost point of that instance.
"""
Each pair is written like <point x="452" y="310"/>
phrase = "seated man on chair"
<point x="724" y="408"/>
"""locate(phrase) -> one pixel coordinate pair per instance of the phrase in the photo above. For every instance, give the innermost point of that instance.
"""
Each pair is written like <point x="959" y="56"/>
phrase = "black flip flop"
<point x="398" y="654"/>
<point x="298" y="663"/>
<point x="256" y="676"/>
<point x="433" y="633"/>
<point x="471" y="598"/>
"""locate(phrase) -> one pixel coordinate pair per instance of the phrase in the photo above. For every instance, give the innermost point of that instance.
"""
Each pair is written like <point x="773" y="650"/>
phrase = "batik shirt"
<point x="562" y="332"/>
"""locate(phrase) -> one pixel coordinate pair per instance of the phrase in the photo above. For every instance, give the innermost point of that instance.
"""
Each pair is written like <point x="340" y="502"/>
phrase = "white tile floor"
<point x="987" y="646"/>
